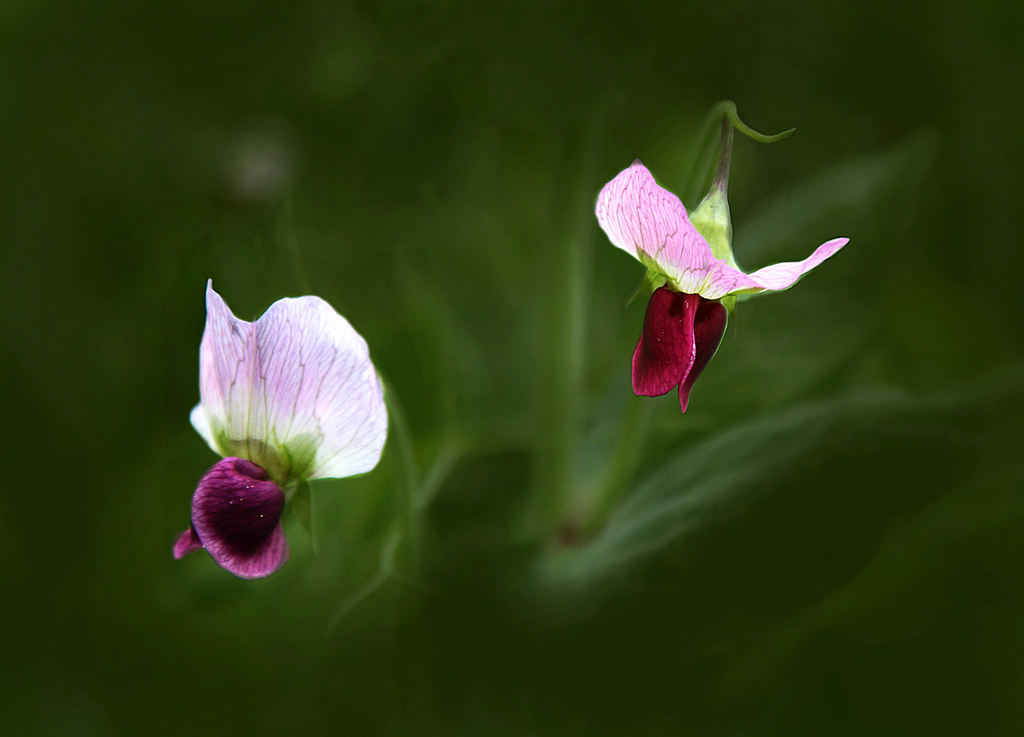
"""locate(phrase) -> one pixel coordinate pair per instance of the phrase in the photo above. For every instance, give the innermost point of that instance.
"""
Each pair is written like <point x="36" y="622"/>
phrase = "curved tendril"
<point x="728" y="109"/>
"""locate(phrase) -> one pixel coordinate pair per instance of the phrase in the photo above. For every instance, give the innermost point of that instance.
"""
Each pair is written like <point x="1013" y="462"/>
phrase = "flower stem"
<point x="564" y="319"/>
<point x="565" y="401"/>
<point x="721" y="181"/>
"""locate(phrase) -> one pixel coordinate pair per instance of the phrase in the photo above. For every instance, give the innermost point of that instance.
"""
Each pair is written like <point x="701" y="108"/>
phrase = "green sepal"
<point x="712" y="220"/>
<point x="653" y="279"/>
<point x="284" y="463"/>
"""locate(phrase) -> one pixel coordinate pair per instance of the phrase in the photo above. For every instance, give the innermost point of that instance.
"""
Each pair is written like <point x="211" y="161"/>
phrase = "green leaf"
<point x="846" y="456"/>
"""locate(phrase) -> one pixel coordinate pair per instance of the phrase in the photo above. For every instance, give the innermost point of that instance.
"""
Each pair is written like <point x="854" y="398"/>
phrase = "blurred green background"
<point x="829" y="541"/>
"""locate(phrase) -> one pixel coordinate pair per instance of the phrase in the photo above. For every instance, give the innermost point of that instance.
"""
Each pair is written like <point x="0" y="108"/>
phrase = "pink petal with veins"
<point x="644" y="219"/>
<point x="298" y="378"/>
<point x="726" y="280"/>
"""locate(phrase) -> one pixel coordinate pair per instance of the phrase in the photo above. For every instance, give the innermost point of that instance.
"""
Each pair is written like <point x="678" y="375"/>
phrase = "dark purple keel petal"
<point x="666" y="349"/>
<point x="187" y="542"/>
<point x="266" y="560"/>
<point x="708" y="329"/>
<point x="236" y="514"/>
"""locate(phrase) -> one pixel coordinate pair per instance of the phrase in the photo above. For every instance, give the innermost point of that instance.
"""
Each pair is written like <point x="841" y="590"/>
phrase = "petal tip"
<point x="216" y="304"/>
<point x="187" y="542"/>
<point x="684" y="397"/>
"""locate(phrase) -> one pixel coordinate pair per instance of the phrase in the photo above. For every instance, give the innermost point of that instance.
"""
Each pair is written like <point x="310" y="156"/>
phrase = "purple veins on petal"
<point x="728" y="280"/>
<point x="650" y="223"/>
<point x="298" y="379"/>
<point x="236" y="513"/>
<point x="684" y="322"/>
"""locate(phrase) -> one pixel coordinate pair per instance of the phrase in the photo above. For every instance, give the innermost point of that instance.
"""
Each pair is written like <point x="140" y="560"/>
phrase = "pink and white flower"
<point x="685" y="320"/>
<point x="286" y="399"/>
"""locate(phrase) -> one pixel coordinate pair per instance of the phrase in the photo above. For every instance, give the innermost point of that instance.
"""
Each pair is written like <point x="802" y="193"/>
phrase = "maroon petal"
<point x="708" y="329"/>
<point x="666" y="350"/>
<point x="187" y="542"/>
<point x="236" y="514"/>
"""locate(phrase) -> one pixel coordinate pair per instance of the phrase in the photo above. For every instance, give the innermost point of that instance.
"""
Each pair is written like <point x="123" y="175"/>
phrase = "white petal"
<point x="294" y="391"/>
<point x="650" y="223"/>
<point x="198" y="419"/>
<point x="224" y="369"/>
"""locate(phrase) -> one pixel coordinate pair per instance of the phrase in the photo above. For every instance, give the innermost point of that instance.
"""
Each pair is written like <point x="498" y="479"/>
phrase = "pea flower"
<point x="286" y="399"/>
<point x="685" y="318"/>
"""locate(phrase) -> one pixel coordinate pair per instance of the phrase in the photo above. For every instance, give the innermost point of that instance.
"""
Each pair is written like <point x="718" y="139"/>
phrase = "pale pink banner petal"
<point x="225" y="370"/>
<point x="294" y="391"/>
<point x="644" y="219"/>
<point x="316" y="380"/>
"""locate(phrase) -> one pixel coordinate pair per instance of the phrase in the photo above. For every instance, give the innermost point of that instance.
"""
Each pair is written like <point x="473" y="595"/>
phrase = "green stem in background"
<point x="410" y="474"/>
<point x="418" y="493"/>
<point x="563" y="415"/>
<point x="451" y="451"/>
<point x="621" y="464"/>
<point x="563" y="321"/>
<point x="385" y="570"/>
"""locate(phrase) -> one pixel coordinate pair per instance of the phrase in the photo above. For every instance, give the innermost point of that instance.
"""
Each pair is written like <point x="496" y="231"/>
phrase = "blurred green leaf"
<point x="866" y="584"/>
<point x="879" y="448"/>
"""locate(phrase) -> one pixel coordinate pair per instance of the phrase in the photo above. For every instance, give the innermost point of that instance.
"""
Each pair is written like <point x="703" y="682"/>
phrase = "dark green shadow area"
<point x="829" y="542"/>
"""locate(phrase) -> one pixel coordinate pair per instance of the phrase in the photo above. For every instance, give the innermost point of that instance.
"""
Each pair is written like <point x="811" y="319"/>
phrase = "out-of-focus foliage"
<point x="828" y="542"/>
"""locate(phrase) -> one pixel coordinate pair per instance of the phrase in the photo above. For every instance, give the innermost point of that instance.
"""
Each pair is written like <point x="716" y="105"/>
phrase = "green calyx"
<point x="286" y="464"/>
<point x="712" y="220"/>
